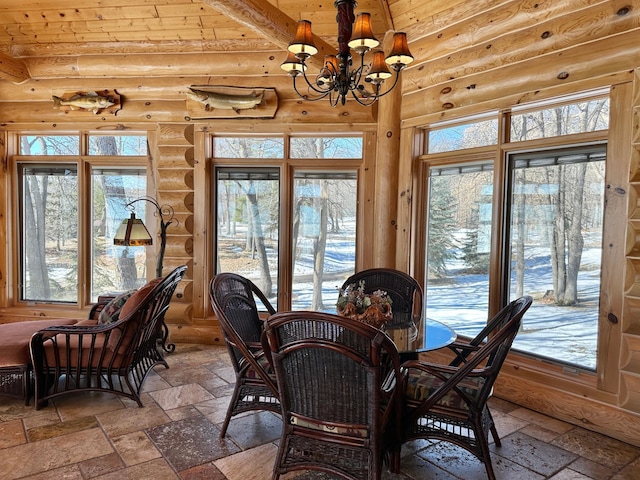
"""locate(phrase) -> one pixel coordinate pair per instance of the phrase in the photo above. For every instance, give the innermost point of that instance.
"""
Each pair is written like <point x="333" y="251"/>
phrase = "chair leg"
<point x="489" y="468"/>
<point x="394" y="461"/>
<point x="230" y="408"/>
<point x="496" y="438"/>
<point x="492" y="429"/>
<point x="484" y="451"/>
<point x="26" y="384"/>
<point x="42" y="384"/>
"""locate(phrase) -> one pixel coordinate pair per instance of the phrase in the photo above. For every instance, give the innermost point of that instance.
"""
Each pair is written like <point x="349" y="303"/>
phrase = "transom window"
<point x="451" y="136"/>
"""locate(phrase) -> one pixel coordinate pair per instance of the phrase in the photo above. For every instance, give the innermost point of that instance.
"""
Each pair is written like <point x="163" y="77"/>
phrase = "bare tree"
<point x="257" y="237"/>
<point x="35" y="197"/>
<point x="567" y="233"/>
<point x="319" y="248"/>
<point x="567" y="199"/>
<point x="126" y="267"/>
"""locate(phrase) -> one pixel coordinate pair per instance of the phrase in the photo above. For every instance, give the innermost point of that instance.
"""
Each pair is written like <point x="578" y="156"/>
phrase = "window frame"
<point x="512" y="156"/>
<point x="288" y="167"/>
<point x="84" y="163"/>
<point x="497" y="277"/>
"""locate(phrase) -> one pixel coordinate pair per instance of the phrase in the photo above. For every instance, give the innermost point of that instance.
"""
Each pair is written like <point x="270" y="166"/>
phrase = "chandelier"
<point x="338" y="77"/>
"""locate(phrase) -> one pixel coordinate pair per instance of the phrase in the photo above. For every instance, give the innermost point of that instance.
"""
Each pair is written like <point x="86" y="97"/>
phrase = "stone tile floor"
<point x="175" y="436"/>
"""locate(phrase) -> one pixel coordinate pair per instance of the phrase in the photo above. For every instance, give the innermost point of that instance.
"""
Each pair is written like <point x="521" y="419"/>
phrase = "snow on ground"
<point x="568" y="334"/>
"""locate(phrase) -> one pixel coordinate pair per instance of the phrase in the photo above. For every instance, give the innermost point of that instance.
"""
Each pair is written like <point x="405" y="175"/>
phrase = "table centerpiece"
<point x="372" y="308"/>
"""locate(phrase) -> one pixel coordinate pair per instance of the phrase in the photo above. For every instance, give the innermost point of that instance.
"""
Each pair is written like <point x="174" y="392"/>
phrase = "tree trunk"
<point x="320" y="245"/>
<point x="258" y="243"/>
<point x="559" y="240"/>
<point x="575" y="242"/>
<point x="35" y="240"/>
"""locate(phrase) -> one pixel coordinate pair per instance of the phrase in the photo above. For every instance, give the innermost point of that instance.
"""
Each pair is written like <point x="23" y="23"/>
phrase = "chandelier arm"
<point x="395" y="82"/>
<point x="372" y="98"/>
<point x="333" y="99"/>
<point x="376" y="95"/>
<point x="310" y="85"/>
<point x="321" y="94"/>
<point x="356" y="75"/>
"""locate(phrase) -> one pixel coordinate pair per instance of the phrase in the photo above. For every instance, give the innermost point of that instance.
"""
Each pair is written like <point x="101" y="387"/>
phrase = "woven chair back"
<point x="405" y="292"/>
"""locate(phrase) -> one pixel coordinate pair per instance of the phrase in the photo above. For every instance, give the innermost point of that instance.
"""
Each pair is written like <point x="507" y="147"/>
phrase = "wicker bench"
<point x="15" y="361"/>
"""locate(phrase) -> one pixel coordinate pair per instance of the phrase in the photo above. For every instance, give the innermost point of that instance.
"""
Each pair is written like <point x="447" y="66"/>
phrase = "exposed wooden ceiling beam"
<point x="388" y="18"/>
<point x="271" y="22"/>
<point x="134" y="47"/>
<point x="12" y="69"/>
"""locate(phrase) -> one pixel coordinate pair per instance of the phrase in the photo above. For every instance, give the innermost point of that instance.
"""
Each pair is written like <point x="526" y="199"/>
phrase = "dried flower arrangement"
<point x="372" y="308"/>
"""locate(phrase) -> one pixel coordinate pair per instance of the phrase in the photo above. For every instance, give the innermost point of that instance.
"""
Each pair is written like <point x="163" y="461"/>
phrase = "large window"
<point x="459" y="245"/>
<point x="555" y="235"/>
<point x="315" y="205"/>
<point x="53" y="178"/>
<point x="115" y="268"/>
<point x="324" y="236"/>
<point x="248" y="220"/>
<point x="49" y="232"/>
<point x="551" y="228"/>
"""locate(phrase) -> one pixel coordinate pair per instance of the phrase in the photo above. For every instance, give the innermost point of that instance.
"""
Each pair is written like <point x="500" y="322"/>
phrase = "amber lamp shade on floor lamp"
<point x="133" y="233"/>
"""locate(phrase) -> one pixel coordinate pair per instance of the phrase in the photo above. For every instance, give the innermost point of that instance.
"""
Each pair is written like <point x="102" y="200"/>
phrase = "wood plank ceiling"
<point x="243" y="41"/>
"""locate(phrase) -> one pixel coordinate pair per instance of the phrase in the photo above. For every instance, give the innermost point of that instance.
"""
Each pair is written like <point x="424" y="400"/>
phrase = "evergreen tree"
<point x="477" y="262"/>
<point x="441" y="223"/>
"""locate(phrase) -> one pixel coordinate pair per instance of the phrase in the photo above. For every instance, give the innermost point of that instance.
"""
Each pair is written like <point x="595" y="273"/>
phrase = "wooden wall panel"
<point x="176" y="157"/>
<point x="175" y="184"/>
<point x="605" y="57"/>
<point x="629" y="344"/>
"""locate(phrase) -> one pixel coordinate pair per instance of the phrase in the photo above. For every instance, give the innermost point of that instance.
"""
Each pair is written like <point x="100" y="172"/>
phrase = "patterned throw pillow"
<point x="111" y="311"/>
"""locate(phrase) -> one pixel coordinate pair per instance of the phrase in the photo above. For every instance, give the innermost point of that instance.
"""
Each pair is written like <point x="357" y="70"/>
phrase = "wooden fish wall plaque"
<point x="220" y="101"/>
<point x="93" y="103"/>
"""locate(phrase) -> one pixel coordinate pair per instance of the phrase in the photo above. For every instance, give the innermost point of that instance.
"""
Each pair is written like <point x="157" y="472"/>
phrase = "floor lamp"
<point x="133" y="233"/>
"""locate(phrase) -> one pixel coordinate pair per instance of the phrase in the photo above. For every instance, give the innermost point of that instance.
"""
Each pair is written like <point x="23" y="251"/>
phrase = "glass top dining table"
<point x="427" y="335"/>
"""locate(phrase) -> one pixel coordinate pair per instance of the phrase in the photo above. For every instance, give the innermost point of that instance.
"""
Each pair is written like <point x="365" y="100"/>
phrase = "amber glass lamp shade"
<point x="400" y="55"/>
<point x="379" y="71"/>
<point x="292" y="65"/>
<point x="362" y="39"/>
<point x="132" y="233"/>
<point x="302" y="45"/>
<point x="331" y="63"/>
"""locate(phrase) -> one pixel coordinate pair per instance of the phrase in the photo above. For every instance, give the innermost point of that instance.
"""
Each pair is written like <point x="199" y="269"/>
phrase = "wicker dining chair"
<point x="233" y="298"/>
<point x="337" y="381"/>
<point x="462" y="349"/>
<point x="449" y="402"/>
<point x="405" y="292"/>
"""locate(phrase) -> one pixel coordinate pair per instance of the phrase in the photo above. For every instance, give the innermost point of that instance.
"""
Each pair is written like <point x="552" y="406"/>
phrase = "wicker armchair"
<point x="462" y="349"/>
<point x="337" y="380"/>
<point x="112" y="358"/>
<point x="449" y="402"/>
<point x="404" y="290"/>
<point x="233" y="300"/>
